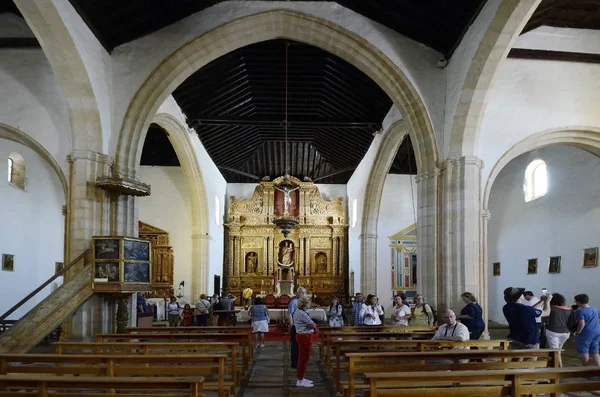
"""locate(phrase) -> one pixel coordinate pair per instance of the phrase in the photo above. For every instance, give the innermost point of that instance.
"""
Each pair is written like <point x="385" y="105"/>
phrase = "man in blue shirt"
<point x="292" y="307"/>
<point x="522" y="319"/>
<point x="356" y="307"/>
<point x="588" y="330"/>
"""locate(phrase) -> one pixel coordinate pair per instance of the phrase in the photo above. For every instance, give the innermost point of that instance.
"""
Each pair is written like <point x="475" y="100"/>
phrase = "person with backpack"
<point x="422" y="314"/>
<point x="203" y="310"/>
<point x="335" y="313"/>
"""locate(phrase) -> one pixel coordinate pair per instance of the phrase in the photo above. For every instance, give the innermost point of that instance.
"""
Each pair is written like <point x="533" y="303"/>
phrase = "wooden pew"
<point x="230" y="349"/>
<point x="460" y="360"/>
<point x="46" y="385"/>
<point x="512" y="382"/>
<point x="223" y="328"/>
<point x="327" y="337"/>
<point x="188" y="365"/>
<point x="242" y="339"/>
<point x="351" y="346"/>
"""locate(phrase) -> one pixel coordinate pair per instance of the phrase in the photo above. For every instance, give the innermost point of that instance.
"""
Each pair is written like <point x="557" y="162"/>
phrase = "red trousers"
<point x="304" y="342"/>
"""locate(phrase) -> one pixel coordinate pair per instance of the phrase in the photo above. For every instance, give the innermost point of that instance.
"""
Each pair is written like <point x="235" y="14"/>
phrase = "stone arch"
<point x="508" y="22"/>
<point x="260" y="27"/>
<point x="583" y="137"/>
<point x="372" y="201"/>
<point x="15" y="135"/>
<point x="49" y="27"/>
<point x="180" y="138"/>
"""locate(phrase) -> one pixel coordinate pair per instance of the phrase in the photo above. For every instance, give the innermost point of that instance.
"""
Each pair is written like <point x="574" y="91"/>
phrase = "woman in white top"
<point x="371" y="311"/>
<point x="335" y="313"/>
<point x="401" y="312"/>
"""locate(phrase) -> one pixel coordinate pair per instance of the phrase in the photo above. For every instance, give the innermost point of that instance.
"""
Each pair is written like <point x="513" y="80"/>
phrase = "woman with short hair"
<point x="422" y="314"/>
<point x="260" y="321"/>
<point x="472" y="316"/>
<point x="401" y="312"/>
<point x="305" y="327"/>
<point x="371" y="311"/>
<point x="334" y="312"/>
<point x="557" y="329"/>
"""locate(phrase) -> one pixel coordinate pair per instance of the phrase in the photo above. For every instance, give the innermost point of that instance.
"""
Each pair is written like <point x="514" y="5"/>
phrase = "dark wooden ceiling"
<point x="576" y="14"/>
<point x="158" y="149"/>
<point x="437" y="24"/>
<point x="236" y="104"/>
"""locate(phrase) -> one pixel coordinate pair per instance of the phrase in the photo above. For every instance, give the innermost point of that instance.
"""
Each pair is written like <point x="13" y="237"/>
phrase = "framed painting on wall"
<point x="8" y="263"/>
<point x="136" y="250"/>
<point x="108" y="271"/>
<point x="532" y="265"/>
<point x="554" y="265"/>
<point x="136" y="272"/>
<point x="107" y="249"/>
<point x="496" y="268"/>
<point x="590" y="257"/>
<point x="58" y="266"/>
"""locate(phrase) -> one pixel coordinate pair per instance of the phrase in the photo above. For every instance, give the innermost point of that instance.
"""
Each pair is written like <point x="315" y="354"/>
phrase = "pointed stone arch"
<point x="180" y="138"/>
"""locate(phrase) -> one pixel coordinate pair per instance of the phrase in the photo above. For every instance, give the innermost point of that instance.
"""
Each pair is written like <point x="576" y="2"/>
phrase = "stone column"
<point x="483" y="294"/>
<point x="461" y="233"/>
<point x="428" y="218"/>
<point x="335" y="265"/>
<point x="200" y="250"/>
<point x="368" y="270"/>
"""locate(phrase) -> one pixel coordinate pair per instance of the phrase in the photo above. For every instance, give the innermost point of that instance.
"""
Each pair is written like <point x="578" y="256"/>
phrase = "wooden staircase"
<point x="49" y="313"/>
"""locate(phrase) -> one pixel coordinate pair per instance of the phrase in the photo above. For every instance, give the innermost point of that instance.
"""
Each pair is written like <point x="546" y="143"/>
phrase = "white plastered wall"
<point x="533" y="96"/>
<point x="32" y="228"/>
<point x="32" y="101"/>
<point x="561" y="223"/>
<point x="133" y="62"/>
<point x="397" y="212"/>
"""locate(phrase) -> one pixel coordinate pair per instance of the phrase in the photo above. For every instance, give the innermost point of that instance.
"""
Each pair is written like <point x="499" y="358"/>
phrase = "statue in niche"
<point x="286" y="260"/>
<point x="321" y="262"/>
<point x="251" y="262"/>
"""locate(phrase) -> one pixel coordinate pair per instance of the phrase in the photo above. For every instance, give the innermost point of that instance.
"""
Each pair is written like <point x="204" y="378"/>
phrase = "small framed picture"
<point x="58" y="266"/>
<point x="496" y="268"/>
<point x="590" y="257"/>
<point x="532" y="266"/>
<point x="8" y="263"/>
<point x="554" y="265"/>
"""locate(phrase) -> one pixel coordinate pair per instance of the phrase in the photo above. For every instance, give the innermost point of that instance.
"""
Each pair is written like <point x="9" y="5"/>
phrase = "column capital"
<point x="88" y="155"/>
<point x="367" y="236"/>
<point x="428" y="174"/>
<point x="463" y="161"/>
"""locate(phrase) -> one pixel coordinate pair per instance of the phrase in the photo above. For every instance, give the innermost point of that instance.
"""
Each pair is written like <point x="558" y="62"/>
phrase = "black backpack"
<point x="433" y="312"/>
<point x="572" y="322"/>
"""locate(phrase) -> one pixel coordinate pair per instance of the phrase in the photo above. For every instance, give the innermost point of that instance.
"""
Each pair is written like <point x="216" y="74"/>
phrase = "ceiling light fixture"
<point x="287" y="221"/>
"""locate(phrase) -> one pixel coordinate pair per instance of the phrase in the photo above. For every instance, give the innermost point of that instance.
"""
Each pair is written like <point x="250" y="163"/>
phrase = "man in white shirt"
<point x="529" y="299"/>
<point x="451" y="329"/>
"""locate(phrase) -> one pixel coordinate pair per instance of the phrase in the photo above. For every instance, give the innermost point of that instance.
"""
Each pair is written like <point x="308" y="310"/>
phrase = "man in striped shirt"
<point x="356" y="308"/>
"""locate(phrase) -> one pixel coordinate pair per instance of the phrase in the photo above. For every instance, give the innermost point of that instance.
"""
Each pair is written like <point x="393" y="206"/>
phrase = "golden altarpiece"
<point x="162" y="259"/>
<point x="314" y="255"/>
<point x="404" y="259"/>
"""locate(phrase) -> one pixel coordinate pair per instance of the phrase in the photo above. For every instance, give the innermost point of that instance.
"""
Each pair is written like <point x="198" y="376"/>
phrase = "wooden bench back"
<point x="43" y="385"/>
<point x="512" y="382"/>
<point x="376" y="328"/>
<point x="223" y="329"/>
<point x="459" y="360"/>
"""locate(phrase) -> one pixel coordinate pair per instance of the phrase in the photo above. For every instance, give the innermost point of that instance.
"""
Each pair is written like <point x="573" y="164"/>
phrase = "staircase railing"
<point x="44" y="285"/>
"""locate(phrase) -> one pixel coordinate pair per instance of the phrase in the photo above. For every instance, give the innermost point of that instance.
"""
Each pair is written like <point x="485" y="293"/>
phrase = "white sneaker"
<point x="262" y="345"/>
<point x="303" y="383"/>
<point x="308" y="380"/>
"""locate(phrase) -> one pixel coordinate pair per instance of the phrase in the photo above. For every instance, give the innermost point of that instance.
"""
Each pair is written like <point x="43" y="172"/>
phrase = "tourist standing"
<point x="557" y="329"/>
<point x="305" y="327"/>
<point x="529" y="299"/>
<point x="202" y="311"/>
<point x="334" y="312"/>
<point x="401" y="313"/>
<point x="187" y="316"/>
<point x="371" y="311"/>
<point x="292" y="306"/>
<point x="472" y="316"/>
<point x="260" y="321"/>
<point x="588" y="331"/>
<point x="173" y="312"/>
<point x="522" y="324"/>
<point x="422" y="314"/>
<point x="357" y="308"/>
<point x="247" y="294"/>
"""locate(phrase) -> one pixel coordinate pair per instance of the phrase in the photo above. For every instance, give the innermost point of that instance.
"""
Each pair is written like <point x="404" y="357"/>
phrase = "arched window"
<point x="536" y="180"/>
<point x="217" y="211"/>
<point x="16" y="170"/>
<point x="354" y="212"/>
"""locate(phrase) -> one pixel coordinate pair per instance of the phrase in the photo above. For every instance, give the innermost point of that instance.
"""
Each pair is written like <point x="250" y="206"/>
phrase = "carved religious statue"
<point x="251" y="262"/>
<point x="287" y="198"/>
<point x="285" y="271"/>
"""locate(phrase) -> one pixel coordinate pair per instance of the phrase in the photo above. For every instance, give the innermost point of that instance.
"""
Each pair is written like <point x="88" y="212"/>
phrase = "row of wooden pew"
<point x="393" y="361"/>
<point x="142" y="362"/>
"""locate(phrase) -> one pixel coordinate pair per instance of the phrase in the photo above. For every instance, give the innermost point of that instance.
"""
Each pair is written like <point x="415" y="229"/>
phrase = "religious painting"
<point x="496" y="268"/>
<point x="136" y="250"/>
<point x="251" y="262"/>
<point x="108" y="271"/>
<point x="106" y="248"/>
<point x="8" y="263"/>
<point x="321" y="263"/>
<point x="58" y="266"/>
<point x="554" y="265"/>
<point x="532" y="265"/>
<point x="136" y="272"/>
<point x="590" y="257"/>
